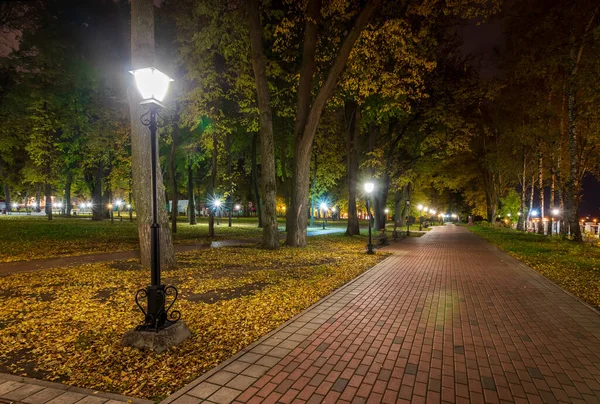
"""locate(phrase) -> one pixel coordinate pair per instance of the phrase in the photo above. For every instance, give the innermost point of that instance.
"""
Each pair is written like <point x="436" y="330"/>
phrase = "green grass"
<point x="574" y="266"/>
<point x="35" y="237"/>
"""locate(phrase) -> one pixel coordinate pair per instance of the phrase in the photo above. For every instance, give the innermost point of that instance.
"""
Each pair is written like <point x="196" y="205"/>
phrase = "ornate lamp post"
<point x="420" y="207"/>
<point x="153" y="85"/>
<point x="369" y="187"/>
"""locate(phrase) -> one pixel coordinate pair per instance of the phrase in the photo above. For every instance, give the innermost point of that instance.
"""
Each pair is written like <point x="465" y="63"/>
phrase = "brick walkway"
<point x="16" y="389"/>
<point x="447" y="318"/>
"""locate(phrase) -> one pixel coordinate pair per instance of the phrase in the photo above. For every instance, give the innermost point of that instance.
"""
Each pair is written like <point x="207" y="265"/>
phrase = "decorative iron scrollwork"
<point x="164" y="316"/>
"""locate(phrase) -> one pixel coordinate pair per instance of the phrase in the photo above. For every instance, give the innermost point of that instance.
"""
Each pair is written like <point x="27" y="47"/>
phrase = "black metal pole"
<point x="420" y="220"/>
<point x="156" y="316"/>
<point x="370" y="245"/>
<point x="154" y="228"/>
<point x="324" y="213"/>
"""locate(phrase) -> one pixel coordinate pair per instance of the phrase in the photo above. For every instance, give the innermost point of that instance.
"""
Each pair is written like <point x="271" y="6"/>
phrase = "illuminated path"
<point x="447" y="318"/>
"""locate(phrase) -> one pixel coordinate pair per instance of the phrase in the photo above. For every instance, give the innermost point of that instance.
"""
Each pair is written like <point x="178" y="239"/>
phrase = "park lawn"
<point x="573" y="266"/>
<point x="25" y="238"/>
<point x="34" y="237"/>
<point x="65" y="324"/>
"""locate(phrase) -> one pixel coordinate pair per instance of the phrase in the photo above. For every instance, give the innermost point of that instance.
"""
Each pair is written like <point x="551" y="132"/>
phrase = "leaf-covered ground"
<point x="573" y="266"/>
<point x="66" y="324"/>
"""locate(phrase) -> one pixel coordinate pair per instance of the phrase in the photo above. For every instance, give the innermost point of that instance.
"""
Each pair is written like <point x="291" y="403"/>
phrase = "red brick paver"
<point x="447" y="318"/>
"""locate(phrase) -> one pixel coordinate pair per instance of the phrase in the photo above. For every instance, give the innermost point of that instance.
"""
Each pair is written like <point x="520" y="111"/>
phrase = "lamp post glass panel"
<point x="153" y="85"/>
<point x="369" y="187"/>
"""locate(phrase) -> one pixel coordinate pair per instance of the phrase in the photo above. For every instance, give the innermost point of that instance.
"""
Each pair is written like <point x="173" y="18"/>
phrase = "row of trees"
<point x="299" y="101"/>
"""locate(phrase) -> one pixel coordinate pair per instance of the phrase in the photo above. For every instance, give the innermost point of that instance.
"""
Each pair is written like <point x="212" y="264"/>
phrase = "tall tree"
<point x="143" y="55"/>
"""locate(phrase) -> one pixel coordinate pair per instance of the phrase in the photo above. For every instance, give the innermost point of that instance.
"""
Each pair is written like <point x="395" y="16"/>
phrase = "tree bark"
<point x="191" y="199"/>
<point x="68" y="183"/>
<point x="174" y="193"/>
<point x="7" y="200"/>
<point x="48" y="198"/>
<point x="142" y="55"/>
<point x="211" y="187"/>
<point x="521" y="220"/>
<point x="255" y="180"/>
<point x="352" y="114"/>
<point x="314" y="194"/>
<point x="38" y="197"/>
<point x="307" y="127"/>
<point x="97" y="203"/>
<point x="270" y="238"/>
<point x="541" y="189"/>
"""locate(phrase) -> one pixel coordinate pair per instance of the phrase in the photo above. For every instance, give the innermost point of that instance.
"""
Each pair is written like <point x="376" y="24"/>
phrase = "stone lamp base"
<point x="157" y="341"/>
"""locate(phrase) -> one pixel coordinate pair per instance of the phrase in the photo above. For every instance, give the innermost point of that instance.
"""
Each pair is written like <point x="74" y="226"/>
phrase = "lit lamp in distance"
<point x="369" y="187"/>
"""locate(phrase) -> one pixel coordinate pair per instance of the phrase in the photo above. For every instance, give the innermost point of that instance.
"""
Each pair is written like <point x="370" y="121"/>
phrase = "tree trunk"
<point x="270" y="238"/>
<point x="7" y="201"/>
<point x="541" y="190"/>
<point x="174" y="190"/>
<point x="352" y="115"/>
<point x="191" y="199"/>
<point x="211" y="187"/>
<point x="97" y="203"/>
<point x="531" y="196"/>
<point x="255" y="180"/>
<point x="68" y="183"/>
<point x="230" y="176"/>
<point x="307" y="118"/>
<point x="521" y="219"/>
<point x="552" y="196"/>
<point x="142" y="55"/>
<point x="48" y="197"/>
<point x="491" y="196"/>
<point x="38" y="197"/>
<point x="314" y="194"/>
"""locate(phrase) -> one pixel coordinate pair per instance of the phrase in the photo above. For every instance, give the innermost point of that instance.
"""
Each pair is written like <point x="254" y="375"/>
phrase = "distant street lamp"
<point x="555" y="213"/>
<point x="239" y="209"/>
<point x="421" y="209"/>
<point x="153" y="85"/>
<point x="119" y="203"/>
<point x="333" y="210"/>
<point x="369" y="187"/>
<point x="218" y="209"/>
<point x="324" y="213"/>
<point x="407" y="218"/>
<point x="110" y="210"/>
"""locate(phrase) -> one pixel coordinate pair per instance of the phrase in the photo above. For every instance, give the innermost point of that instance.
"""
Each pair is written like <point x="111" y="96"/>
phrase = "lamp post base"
<point x="158" y="341"/>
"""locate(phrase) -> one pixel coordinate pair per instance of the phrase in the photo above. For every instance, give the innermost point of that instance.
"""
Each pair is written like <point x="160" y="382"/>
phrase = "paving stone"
<point x="224" y="395"/>
<point x="9" y="386"/>
<point x="68" y="397"/>
<point x="204" y="390"/>
<point x="43" y="396"/>
<point x="447" y="318"/>
<point x="22" y="392"/>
